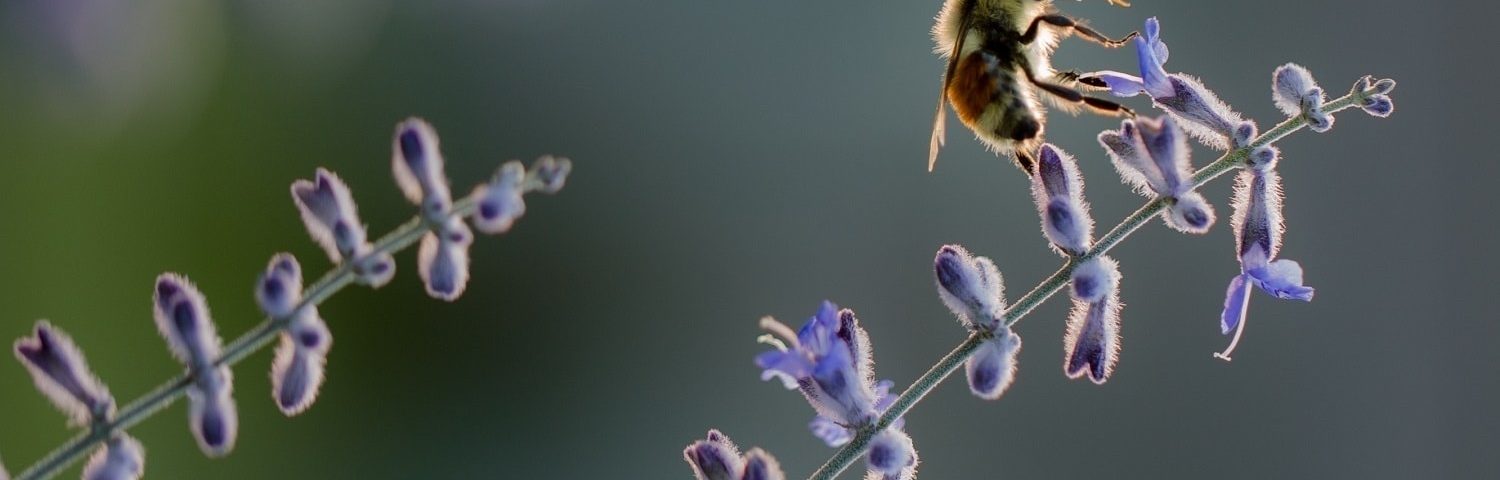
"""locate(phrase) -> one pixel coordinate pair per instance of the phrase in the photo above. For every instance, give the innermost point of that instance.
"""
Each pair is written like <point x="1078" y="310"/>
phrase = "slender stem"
<point x="250" y="342"/>
<point x="1054" y="283"/>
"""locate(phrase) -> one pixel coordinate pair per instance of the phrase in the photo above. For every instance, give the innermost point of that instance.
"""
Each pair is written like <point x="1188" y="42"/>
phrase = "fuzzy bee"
<point x="999" y="61"/>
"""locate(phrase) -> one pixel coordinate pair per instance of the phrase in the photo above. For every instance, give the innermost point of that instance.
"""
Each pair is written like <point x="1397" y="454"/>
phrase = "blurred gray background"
<point x="733" y="160"/>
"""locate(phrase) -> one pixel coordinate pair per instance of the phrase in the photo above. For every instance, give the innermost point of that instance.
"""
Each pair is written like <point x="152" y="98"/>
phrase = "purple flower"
<point x="121" y="458"/>
<point x="828" y="359"/>
<point x="1057" y="189"/>
<point x="1257" y="225"/>
<point x="717" y="458"/>
<point x="332" y="220"/>
<point x="1153" y="156"/>
<point x="1207" y="117"/>
<point x="62" y="374"/>
<point x="1378" y="104"/>
<point x="443" y="256"/>
<point x="1093" y="338"/>
<point x="443" y="259"/>
<point x="183" y="319"/>
<point x="836" y="434"/>
<point x="970" y="286"/>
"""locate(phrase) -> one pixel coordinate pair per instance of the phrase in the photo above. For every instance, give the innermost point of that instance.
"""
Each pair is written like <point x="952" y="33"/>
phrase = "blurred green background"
<point x="737" y="159"/>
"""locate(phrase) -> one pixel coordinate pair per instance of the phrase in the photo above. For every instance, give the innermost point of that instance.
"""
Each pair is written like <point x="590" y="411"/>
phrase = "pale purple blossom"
<point x="1152" y="155"/>
<point x="1207" y="118"/>
<point x="332" y="219"/>
<point x="992" y="369"/>
<point x="1258" y="229"/>
<point x="297" y="368"/>
<point x="499" y="203"/>
<point x="443" y="255"/>
<point x="892" y="456"/>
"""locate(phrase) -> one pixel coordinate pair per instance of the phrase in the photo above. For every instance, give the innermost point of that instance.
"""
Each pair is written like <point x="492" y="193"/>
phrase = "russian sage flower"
<point x="297" y="370"/>
<point x="62" y="374"/>
<point x="183" y="319"/>
<point x="973" y="289"/>
<point x="829" y="361"/>
<point x="1378" y="104"/>
<point x="332" y="220"/>
<point x="1153" y="156"/>
<point x="1057" y="188"/>
<point x="1257" y="232"/>
<point x="443" y="256"/>
<point x="892" y="456"/>
<point x="1207" y="118"/>
<point x="121" y="458"/>
<point x="1296" y="93"/>
<point x="1093" y="340"/>
<point x="717" y="458"/>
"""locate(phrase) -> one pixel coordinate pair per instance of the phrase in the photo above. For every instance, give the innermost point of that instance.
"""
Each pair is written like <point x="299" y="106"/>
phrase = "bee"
<point x="999" y="62"/>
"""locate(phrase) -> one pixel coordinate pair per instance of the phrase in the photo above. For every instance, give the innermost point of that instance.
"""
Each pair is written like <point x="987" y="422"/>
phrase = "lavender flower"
<point x="332" y="220"/>
<point x="297" y="370"/>
<point x="1152" y="156"/>
<point x="182" y="318"/>
<point x="1258" y="228"/>
<point x="829" y="361"/>
<point x="121" y="458"/>
<point x="717" y="458"/>
<point x="62" y="374"/>
<point x="1378" y="104"/>
<point x="1057" y="188"/>
<point x="1208" y="118"/>
<point x="1093" y="338"/>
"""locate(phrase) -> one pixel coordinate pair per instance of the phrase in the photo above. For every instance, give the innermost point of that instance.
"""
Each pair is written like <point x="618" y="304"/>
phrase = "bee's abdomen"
<point x="987" y="96"/>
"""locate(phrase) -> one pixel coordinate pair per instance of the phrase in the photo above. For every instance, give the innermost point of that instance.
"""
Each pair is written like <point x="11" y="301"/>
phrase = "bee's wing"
<point x="938" y="121"/>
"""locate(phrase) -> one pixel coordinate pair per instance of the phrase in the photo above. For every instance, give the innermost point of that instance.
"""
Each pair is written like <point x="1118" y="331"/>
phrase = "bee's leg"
<point x="1098" y="105"/>
<point x="1078" y="28"/>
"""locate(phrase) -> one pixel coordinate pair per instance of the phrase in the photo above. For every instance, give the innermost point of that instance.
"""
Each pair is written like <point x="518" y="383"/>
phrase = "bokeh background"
<point x="738" y="159"/>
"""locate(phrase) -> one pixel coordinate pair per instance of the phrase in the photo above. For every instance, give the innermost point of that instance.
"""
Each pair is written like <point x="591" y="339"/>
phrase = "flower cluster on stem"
<point x="328" y="210"/>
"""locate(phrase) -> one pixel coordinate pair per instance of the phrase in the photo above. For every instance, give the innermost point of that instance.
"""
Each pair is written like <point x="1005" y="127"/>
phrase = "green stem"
<point x="250" y="342"/>
<point x="1231" y="160"/>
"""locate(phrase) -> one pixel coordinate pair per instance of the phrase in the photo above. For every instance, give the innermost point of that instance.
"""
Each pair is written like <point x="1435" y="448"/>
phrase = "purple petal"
<point x="788" y="366"/>
<point x="1236" y="301"/>
<point x="1282" y="279"/>
<point x="1151" y="53"/>
<point x="1120" y="84"/>
<point x="829" y="432"/>
<point x="760" y="465"/>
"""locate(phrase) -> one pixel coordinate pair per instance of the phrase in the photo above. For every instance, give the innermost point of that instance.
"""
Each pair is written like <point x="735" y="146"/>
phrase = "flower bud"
<point x="211" y="408"/>
<point x="1093" y="338"/>
<point x="971" y="286"/>
<point x="499" y="203"/>
<point x="1190" y="213"/>
<point x="279" y="289"/>
<point x="993" y="367"/>
<point x="417" y="164"/>
<point x="1289" y="84"/>
<point x="183" y="319"/>
<point x="443" y="260"/>
<point x="121" y="458"/>
<point x="329" y="212"/>
<point x="551" y="172"/>
<point x="297" y="370"/>
<point x="62" y="374"/>
<point x="1058" y="190"/>
<point x="1378" y="105"/>
<point x="892" y="455"/>
<point x="714" y="459"/>
<point x="760" y="465"/>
